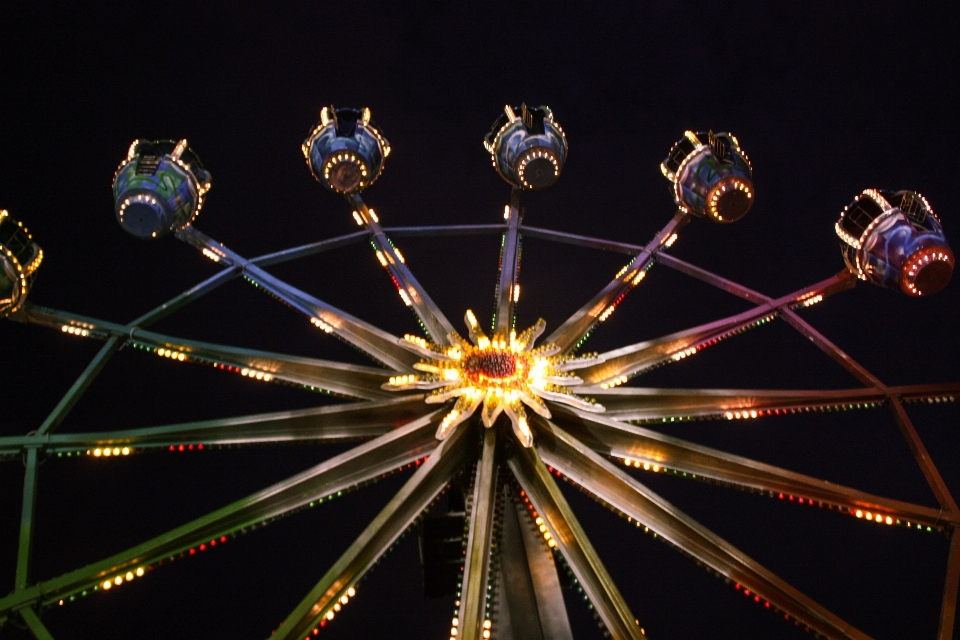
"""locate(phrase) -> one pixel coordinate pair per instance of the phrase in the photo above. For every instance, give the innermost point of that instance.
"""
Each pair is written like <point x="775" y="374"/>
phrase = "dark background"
<point x="826" y="98"/>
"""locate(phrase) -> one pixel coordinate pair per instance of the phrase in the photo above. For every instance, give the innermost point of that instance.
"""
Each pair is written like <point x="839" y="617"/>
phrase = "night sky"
<point x="826" y="98"/>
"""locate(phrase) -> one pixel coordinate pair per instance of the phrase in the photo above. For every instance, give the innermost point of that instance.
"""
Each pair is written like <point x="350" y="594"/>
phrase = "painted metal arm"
<point x="375" y="342"/>
<point x="344" y="379"/>
<point x="536" y="481"/>
<point x="572" y="332"/>
<point x="476" y="565"/>
<point x="508" y="289"/>
<point x="412" y="293"/>
<point x="655" y="451"/>
<point x="362" y="463"/>
<point x="618" y="489"/>
<point x="645" y="404"/>
<point x="337" y="423"/>
<point x="432" y="476"/>
<point x="621" y="364"/>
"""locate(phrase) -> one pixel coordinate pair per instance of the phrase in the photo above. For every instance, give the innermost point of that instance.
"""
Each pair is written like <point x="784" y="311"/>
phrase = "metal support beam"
<point x="922" y="456"/>
<point x="530" y="595"/>
<point x="948" y="610"/>
<point x="630" y="360"/>
<point x="573" y="543"/>
<point x="362" y="463"/>
<point x="619" y="490"/>
<point x="430" y="478"/>
<point x="25" y="546"/>
<point x="835" y="352"/>
<point x="569" y="335"/>
<point x="375" y="342"/>
<point x="411" y="291"/>
<point x="327" y="424"/>
<point x="81" y="384"/>
<point x="657" y="450"/>
<point x="33" y="623"/>
<point x="185" y="298"/>
<point x="654" y="404"/>
<point x="507" y="286"/>
<point x="476" y="568"/>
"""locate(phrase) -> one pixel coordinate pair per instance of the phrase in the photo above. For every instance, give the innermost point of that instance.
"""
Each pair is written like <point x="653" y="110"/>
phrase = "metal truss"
<point x="519" y="524"/>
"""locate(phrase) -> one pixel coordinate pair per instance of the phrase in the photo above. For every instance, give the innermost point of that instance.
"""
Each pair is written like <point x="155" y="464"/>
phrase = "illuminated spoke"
<point x="411" y="292"/>
<point x="374" y="342"/>
<point x="620" y="365"/>
<point x="656" y="452"/>
<point x="476" y="567"/>
<point x="344" y="379"/>
<point x="569" y="537"/>
<point x="361" y="464"/>
<point x="619" y="490"/>
<point x="336" y="423"/>
<point x="571" y="333"/>
<point x="508" y="287"/>
<point x="645" y="404"/>
<point x="529" y="599"/>
<point x="431" y="477"/>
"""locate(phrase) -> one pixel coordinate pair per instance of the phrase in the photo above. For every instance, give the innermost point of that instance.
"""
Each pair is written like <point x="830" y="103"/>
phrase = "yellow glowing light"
<point x="330" y="615"/>
<point x="139" y="572"/>
<point x="504" y="374"/>
<point x="487" y="624"/>
<point x="106" y="585"/>
<point x="125" y="451"/>
<point x="97" y="452"/>
<point x="118" y="580"/>
<point x="129" y="576"/>
<point x="351" y="592"/>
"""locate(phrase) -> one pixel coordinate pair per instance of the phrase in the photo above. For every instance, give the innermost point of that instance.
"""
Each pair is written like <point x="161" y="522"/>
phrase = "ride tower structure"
<point x="491" y="418"/>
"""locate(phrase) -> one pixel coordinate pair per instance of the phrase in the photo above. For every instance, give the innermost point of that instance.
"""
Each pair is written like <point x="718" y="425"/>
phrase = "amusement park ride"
<point x="492" y="415"/>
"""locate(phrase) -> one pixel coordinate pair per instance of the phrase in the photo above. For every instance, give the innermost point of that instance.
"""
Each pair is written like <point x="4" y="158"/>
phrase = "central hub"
<point x="494" y="367"/>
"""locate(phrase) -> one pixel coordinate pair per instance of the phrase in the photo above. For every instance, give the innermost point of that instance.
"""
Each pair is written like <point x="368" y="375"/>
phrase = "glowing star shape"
<point x="503" y="373"/>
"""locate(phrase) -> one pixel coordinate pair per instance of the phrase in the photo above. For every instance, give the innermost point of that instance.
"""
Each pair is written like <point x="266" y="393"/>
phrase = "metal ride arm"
<point x="508" y="289"/>
<point x="618" y="489"/>
<point x="656" y="452"/>
<point x="623" y="363"/>
<point x="646" y="404"/>
<point x="375" y="342"/>
<point x="536" y="481"/>
<point x="343" y="379"/>
<point x="476" y="564"/>
<point x="327" y="424"/>
<point x="572" y="332"/>
<point x="430" y="478"/>
<point x="364" y="462"/>
<point x="412" y="293"/>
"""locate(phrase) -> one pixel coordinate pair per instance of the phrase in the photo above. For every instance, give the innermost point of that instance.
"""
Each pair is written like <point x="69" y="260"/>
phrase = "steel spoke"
<point x="618" y="489"/>
<point x="655" y="451"/>
<point x="571" y="333"/>
<point x="621" y="364"/>
<point x="364" y="462"/>
<point x="546" y="497"/>
<point x="508" y="290"/>
<point x="929" y="470"/>
<point x="344" y="379"/>
<point x="337" y="423"/>
<point x="411" y="291"/>
<point x="33" y="623"/>
<point x="646" y="404"/>
<point x="25" y="547"/>
<point x="476" y="568"/>
<point x="430" y="478"/>
<point x="530" y="602"/>
<point x="376" y="343"/>
<point x="948" y="610"/>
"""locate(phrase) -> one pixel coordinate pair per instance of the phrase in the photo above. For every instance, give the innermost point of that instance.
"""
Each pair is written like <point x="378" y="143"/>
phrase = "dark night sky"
<point x="827" y="100"/>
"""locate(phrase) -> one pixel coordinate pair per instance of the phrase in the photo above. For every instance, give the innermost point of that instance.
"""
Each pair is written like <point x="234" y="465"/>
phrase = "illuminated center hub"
<point x="503" y="373"/>
<point x="495" y="368"/>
